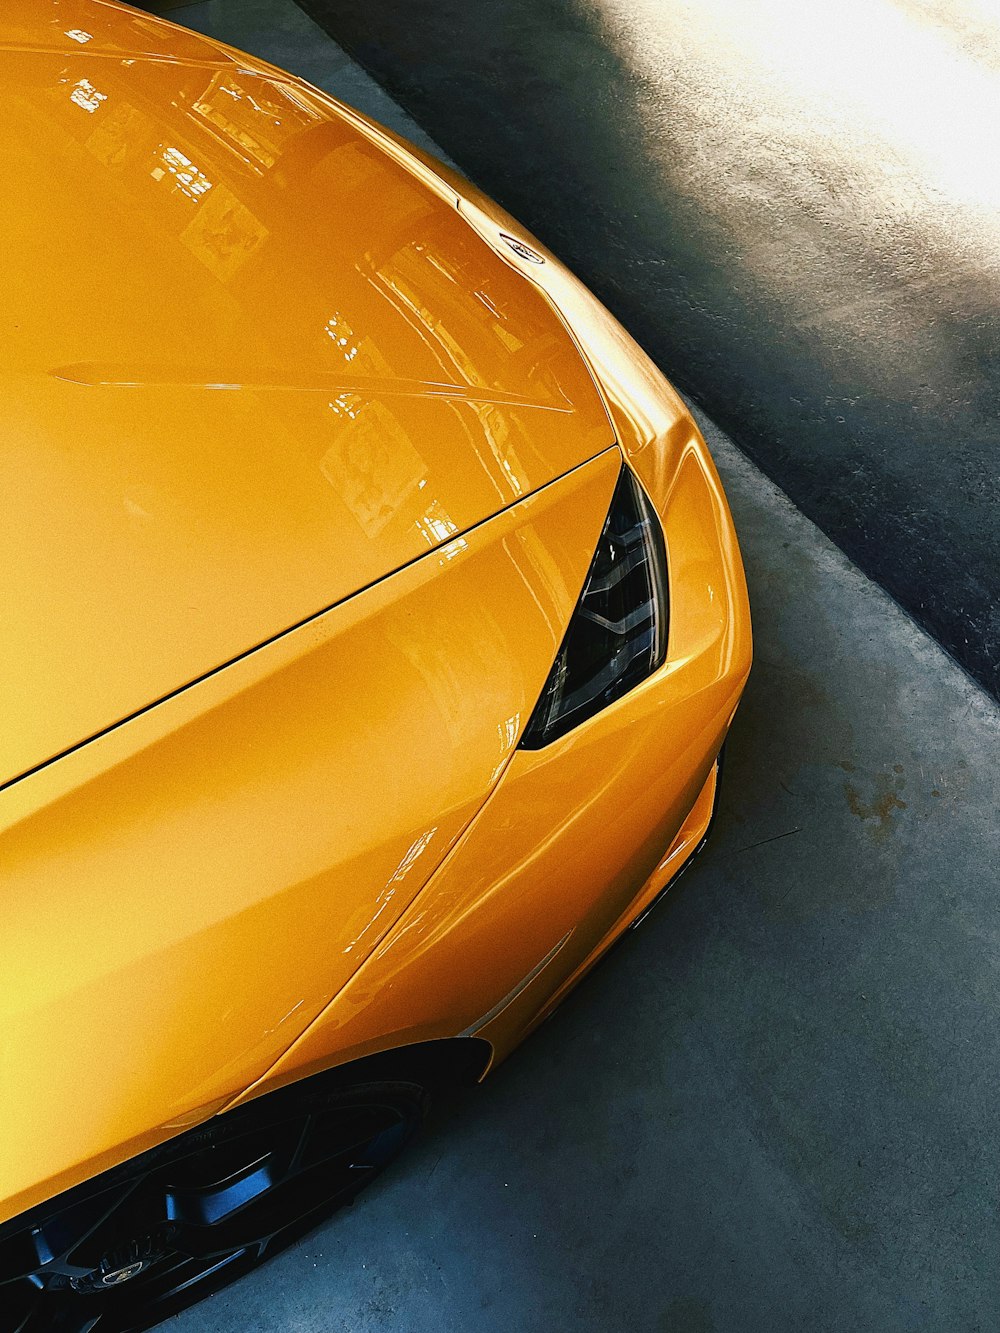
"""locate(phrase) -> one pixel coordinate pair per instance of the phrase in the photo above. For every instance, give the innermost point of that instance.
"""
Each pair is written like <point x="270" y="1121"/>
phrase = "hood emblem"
<point x="519" y="248"/>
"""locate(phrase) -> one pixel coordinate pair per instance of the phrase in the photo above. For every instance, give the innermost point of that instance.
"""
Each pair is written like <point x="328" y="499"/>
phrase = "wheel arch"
<point x="443" y="1061"/>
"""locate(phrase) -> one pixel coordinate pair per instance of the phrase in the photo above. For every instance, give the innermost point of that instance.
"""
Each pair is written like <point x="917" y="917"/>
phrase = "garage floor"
<point x="772" y="1108"/>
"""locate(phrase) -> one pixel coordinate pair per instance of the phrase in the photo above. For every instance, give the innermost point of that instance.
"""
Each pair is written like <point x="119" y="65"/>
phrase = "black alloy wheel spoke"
<point x="57" y="1241"/>
<point x="207" y="1209"/>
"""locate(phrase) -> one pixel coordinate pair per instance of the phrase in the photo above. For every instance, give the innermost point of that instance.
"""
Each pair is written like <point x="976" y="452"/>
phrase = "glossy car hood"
<point x="184" y="896"/>
<point x="251" y="364"/>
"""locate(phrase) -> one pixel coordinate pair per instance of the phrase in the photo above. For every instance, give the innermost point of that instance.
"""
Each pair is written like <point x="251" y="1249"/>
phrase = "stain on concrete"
<point x="878" y="809"/>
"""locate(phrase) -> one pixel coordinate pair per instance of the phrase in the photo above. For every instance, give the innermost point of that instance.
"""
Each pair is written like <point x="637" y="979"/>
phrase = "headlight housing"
<point x="618" y="634"/>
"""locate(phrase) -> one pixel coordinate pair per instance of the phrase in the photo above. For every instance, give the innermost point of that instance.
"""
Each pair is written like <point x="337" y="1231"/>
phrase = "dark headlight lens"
<point x="618" y="634"/>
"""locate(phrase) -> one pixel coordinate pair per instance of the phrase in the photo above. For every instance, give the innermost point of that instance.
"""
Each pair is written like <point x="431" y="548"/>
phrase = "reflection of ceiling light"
<point x="340" y="333"/>
<point x="454" y="549"/>
<point x="78" y="35"/>
<point x="188" y="178"/>
<point x="437" y="526"/>
<point x="86" y="96"/>
<point x="346" y="405"/>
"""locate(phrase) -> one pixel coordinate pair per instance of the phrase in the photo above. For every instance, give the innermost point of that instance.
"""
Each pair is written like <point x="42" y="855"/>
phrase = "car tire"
<point x="155" y="1235"/>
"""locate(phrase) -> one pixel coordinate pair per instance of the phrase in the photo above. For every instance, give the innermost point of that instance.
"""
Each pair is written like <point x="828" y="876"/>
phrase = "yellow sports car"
<point x="372" y="623"/>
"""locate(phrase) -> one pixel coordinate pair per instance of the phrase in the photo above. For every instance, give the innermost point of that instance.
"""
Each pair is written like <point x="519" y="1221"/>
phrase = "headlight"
<point x="618" y="634"/>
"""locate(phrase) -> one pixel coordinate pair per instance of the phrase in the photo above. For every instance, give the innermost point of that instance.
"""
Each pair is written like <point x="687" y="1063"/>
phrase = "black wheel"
<point x="156" y="1234"/>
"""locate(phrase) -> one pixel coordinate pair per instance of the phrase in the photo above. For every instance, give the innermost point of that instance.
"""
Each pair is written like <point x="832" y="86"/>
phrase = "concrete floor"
<point x="773" y="1108"/>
